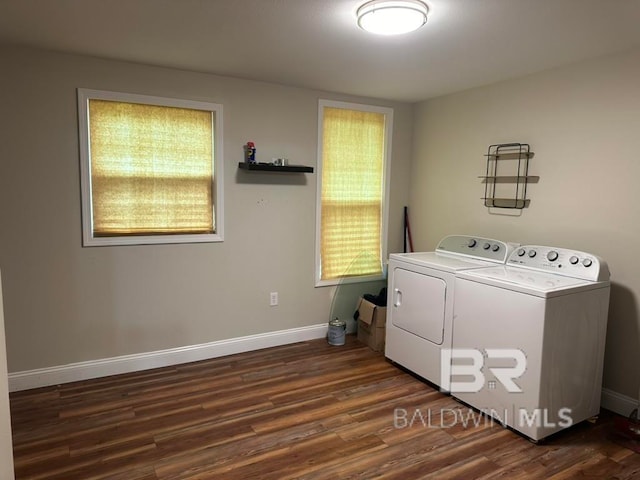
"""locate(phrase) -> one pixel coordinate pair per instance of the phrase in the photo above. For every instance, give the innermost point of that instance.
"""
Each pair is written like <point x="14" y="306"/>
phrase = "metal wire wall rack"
<point x="507" y="175"/>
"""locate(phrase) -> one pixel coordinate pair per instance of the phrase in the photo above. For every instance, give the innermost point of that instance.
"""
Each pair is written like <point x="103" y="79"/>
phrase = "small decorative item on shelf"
<point x="280" y="162"/>
<point x="250" y="152"/>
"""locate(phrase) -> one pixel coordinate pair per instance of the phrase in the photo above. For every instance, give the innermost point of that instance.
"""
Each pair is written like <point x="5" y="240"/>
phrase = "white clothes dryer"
<point x="551" y="304"/>
<point x="420" y="299"/>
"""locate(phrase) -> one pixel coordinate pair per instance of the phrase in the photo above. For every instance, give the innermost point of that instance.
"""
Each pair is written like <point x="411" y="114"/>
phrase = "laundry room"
<point x="77" y="307"/>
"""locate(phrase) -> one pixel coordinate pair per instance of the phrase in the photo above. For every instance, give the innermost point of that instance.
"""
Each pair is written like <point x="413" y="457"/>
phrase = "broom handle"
<point x="407" y="231"/>
<point x="404" y="231"/>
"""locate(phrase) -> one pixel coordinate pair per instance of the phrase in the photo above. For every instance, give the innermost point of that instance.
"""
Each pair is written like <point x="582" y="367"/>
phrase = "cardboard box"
<point x="372" y="321"/>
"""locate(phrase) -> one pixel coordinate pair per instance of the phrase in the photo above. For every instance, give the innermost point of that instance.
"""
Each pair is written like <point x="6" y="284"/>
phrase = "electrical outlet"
<point x="273" y="299"/>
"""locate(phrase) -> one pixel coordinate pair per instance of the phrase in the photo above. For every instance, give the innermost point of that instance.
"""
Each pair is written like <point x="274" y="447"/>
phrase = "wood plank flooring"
<point x="302" y="411"/>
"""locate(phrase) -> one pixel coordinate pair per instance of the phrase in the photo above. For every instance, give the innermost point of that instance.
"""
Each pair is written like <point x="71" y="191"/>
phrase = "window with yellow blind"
<point x="151" y="169"/>
<point x="354" y="148"/>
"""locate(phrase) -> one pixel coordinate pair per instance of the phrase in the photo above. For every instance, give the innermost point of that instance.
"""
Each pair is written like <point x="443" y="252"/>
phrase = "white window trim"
<point x="388" y="112"/>
<point x="84" y="95"/>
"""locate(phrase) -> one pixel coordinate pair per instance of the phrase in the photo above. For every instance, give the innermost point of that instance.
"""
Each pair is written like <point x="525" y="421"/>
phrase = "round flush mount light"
<point x="392" y="17"/>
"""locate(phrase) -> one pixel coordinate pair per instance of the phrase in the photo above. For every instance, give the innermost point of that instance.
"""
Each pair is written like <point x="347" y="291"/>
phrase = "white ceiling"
<point x="316" y="43"/>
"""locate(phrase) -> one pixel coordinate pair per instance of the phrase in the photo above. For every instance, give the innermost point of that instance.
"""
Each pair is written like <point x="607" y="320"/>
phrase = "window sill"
<point x="349" y="280"/>
<point x="151" y="240"/>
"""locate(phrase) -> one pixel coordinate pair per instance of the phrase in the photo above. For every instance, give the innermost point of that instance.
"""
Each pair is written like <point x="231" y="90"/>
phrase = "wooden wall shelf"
<point x="267" y="167"/>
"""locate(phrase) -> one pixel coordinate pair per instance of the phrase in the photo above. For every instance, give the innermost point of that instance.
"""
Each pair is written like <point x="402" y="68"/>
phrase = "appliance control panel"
<point x="476" y="247"/>
<point x="561" y="261"/>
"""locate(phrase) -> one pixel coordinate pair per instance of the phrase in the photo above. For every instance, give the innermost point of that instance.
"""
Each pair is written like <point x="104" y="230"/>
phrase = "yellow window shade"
<point x="151" y="169"/>
<point x="352" y="193"/>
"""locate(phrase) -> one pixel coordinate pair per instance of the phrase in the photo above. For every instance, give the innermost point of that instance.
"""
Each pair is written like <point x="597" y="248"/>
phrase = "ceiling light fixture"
<point x="392" y="17"/>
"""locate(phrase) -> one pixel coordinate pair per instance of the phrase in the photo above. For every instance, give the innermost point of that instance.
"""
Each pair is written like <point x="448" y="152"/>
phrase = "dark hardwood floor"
<point x="307" y="410"/>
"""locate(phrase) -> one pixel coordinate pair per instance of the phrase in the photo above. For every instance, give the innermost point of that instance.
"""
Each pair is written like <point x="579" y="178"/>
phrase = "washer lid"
<point x="439" y="261"/>
<point x="530" y="281"/>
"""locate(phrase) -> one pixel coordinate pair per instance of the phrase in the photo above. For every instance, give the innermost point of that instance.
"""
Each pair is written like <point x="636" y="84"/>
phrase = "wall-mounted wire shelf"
<point x="507" y="176"/>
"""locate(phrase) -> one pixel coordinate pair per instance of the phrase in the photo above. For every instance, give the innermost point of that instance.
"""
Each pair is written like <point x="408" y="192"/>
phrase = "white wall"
<point x="66" y="304"/>
<point x="583" y="123"/>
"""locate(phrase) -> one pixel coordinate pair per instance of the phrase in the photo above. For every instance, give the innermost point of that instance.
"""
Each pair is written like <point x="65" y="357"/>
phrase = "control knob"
<point x="532" y="253"/>
<point x="521" y="252"/>
<point x="552" y="256"/>
<point x="486" y="246"/>
<point x="495" y="248"/>
<point x="574" y="260"/>
<point x="472" y="243"/>
<point x="587" y="262"/>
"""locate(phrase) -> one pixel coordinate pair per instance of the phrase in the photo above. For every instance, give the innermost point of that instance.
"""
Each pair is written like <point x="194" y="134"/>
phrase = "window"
<point x="351" y="222"/>
<point x="151" y="169"/>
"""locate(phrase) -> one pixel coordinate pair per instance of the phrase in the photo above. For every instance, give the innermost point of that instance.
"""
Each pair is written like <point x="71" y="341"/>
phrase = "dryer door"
<point x="418" y="304"/>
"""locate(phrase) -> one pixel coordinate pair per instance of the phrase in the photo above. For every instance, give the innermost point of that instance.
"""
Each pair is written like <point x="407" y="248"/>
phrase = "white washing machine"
<point x="420" y="299"/>
<point x="551" y="304"/>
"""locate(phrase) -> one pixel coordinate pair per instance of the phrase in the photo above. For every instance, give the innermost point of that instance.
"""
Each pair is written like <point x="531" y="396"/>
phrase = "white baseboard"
<point x="73" y="372"/>
<point x="42" y="377"/>
<point x="618" y="403"/>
